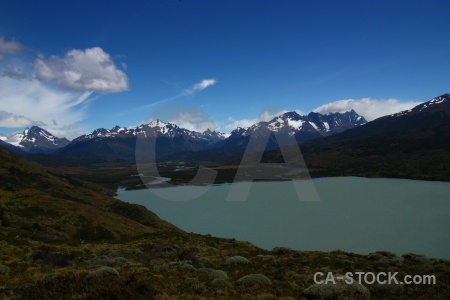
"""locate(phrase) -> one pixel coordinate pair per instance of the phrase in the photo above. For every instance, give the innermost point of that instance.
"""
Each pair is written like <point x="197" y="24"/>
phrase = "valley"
<point x="64" y="235"/>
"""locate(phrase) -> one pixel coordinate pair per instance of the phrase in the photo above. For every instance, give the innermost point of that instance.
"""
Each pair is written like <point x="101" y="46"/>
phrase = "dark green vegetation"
<point x="414" y="144"/>
<point x="66" y="238"/>
<point x="63" y="236"/>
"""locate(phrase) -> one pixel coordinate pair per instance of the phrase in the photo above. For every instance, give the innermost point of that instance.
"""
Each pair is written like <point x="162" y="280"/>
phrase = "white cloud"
<point x="68" y="131"/>
<point x="369" y="108"/>
<point x="11" y="47"/>
<point x="199" y="121"/>
<point x="203" y="85"/>
<point x="34" y="101"/>
<point x="189" y="91"/>
<point x="10" y="120"/>
<point x="244" y="123"/>
<point x="185" y="116"/>
<point x="91" y="69"/>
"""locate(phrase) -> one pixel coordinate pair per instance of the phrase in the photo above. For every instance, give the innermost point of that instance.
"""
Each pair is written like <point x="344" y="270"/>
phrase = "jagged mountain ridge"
<point x="172" y="140"/>
<point x="316" y="123"/>
<point x="431" y="113"/>
<point x="153" y="128"/>
<point x="120" y="141"/>
<point x="301" y="127"/>
<point x="410" y="144"/>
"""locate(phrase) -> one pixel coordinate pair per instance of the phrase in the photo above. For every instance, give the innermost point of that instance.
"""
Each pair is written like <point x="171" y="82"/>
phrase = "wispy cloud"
<point x="200" y="86"/>
<point x="11" y="47"/>
<point x="369" y="108"/>
<point x="185" y="116"/>
<point x="194" y="122"/>
<point x="30" y="102"/>
<point x="91" y="69"/>
<point x="10" y="120"/>
<point x="244" y="123"/>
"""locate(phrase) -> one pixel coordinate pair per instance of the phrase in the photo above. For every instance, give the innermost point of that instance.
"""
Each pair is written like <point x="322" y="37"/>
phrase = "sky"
<point x="74" y="66"/>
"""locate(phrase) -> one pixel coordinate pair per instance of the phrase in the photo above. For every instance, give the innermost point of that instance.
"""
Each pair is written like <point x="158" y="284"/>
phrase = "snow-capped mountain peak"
<point x="434" y="104"/>
<point x="36" y="139"/>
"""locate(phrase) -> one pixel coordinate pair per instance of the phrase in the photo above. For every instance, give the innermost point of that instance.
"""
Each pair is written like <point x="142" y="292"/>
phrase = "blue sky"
<point x="74" y="66"/>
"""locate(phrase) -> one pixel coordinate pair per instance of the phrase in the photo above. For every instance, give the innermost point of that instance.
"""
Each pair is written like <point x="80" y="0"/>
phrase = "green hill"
<point x="65" y="238"/>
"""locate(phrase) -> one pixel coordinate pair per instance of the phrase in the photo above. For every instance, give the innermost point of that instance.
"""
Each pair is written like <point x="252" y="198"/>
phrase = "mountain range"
<point x="410" y="144"/>
<point x="171" y="139"/>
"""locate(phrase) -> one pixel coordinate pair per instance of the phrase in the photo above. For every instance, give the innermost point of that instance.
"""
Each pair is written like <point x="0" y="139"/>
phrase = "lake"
<point x="354" y="214"/>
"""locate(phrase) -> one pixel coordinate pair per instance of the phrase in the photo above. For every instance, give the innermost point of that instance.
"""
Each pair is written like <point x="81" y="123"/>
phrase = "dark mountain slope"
<point x="63" y="207"/>
<point x="410" y="144"/>
<point x="428" y="114"/>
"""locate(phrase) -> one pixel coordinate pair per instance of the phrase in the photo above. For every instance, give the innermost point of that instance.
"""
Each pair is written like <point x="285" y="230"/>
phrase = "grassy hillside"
<point x="64" y="238"/>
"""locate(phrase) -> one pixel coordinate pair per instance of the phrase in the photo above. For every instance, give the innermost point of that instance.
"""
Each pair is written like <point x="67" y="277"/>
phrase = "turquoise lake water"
<point x="353" y="214"/>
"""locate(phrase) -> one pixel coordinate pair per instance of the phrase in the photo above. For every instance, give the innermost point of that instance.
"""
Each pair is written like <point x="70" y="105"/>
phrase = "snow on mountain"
<point x="36" y="140"/>
<point x="313" y="123"/>
<point x="152" y="128"/>
<point x="15" y="139"/>
<point x="432" y="105"/>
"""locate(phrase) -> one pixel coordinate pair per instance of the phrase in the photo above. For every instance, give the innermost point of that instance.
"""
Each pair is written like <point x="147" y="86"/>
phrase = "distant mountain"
<point x="410" y="144"/>
<point x="308" y="126"/>
<point x="36" y="140"/>
<point x="121" y="141"/>
<point x="430" y="113"/>
<point x="173" y="141"/>
<point x="302" y="128"/>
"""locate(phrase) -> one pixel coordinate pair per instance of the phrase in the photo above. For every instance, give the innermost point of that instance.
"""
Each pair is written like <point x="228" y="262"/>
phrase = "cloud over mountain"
<point x="10" y="120"/>
<point x="369" y="108"/>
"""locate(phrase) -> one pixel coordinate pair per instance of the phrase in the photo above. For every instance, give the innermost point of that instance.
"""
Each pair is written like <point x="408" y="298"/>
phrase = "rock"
<point x="4" y="269"/>
<point x="221" y="284"/>
<point x="340" y="290"/>
<point x="104" y="272"/>
<point x="254" y="279"/>
<point x="217" y="274"/>
<point x="236" y="260"/>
